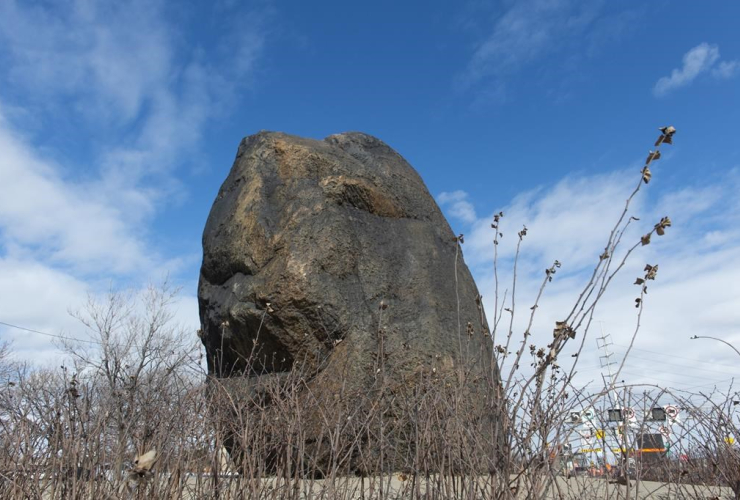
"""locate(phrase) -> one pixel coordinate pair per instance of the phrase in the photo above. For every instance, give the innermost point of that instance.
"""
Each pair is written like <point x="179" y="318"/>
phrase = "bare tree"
<point x="142" y="358"/>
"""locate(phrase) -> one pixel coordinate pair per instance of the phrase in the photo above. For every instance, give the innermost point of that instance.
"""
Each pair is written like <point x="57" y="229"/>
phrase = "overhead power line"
<point x="49" y="334"/>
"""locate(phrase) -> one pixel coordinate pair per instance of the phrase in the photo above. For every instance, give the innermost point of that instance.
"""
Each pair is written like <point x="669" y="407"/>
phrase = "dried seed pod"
<point x="646" y="174"/>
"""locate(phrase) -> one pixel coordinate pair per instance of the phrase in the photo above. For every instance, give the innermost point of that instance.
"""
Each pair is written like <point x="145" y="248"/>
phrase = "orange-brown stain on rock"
<point x="361" y="195"/>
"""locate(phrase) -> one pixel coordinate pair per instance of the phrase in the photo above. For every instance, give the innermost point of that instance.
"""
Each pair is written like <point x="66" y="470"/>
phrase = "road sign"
<point x="671" y="411"/>
<point x="666" y="431"/>
<point x="599" y="433"/>
<point x="587" y="415"/>
<point x="614" y="415"/>
<point x="657" y="414"/>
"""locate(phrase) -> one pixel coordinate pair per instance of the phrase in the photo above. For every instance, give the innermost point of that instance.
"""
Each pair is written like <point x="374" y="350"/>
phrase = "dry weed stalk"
<point x="66" y="432"/>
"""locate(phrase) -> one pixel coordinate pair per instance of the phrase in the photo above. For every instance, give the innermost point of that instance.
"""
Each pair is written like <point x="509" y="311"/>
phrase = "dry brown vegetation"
<point x="137" y="389"/>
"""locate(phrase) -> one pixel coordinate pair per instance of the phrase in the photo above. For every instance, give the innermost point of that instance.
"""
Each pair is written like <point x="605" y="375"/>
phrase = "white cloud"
<point x="59" y="219"/>
<point x="77" y="218"/>
<point x="118" y="53"/>
<point x="39" y="297"/>
<point x="695" y="292"/>
<point x="122" y="65"/>
<point x="457" y="205"/>
<point x="125" y="68"/>
<point x="726" y="69"/>
<point x="36" y="296"/>
<point x="696" y="61"/>
<point x="525" y="32"/>
<point x="701" y="59"/>
<point x="565" y="221"/>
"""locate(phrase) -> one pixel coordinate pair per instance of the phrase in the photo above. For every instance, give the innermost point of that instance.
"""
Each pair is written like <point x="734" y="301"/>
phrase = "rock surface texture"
<point x="325" y="232"/>
<point x="331" y="260"/>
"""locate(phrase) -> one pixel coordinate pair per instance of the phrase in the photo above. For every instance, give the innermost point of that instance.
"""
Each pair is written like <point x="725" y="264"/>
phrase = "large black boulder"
<point x="315" y="250"/>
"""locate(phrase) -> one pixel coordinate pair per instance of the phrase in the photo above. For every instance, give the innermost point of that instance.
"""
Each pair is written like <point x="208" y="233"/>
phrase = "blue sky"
<point x="120" y="120"/>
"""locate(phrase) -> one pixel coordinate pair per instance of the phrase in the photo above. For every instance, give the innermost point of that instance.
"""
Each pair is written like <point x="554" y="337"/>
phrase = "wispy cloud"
<point x="525" y="32"/>
<point x="36" y="296"/>
<point x="110" y="56"/>
<point x="570" y="220"/>
<point x="701" y="59"/>
<point x="457" y="205"/>
<point x="78" y="213"/>
<point x="123" y="69"/>
<point x="565" y="221"/>
<point x="59" y="220"/>
<point x="726" y="69"/>
<point x="39" y="297"/>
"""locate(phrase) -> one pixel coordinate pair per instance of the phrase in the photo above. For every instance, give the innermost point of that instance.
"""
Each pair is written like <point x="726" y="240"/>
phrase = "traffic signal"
<point x="614" y="415"/>
<point x="657" y="414"/>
